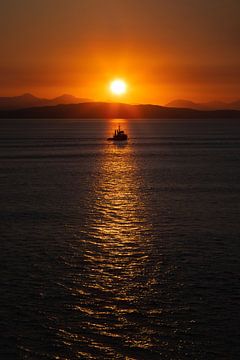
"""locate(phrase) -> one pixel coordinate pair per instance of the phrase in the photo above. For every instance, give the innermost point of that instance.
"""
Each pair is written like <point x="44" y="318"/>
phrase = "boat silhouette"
<point x="119" y="135"/>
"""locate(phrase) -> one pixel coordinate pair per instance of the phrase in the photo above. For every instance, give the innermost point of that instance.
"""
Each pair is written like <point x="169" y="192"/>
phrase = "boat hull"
<point x="117" y="139"/>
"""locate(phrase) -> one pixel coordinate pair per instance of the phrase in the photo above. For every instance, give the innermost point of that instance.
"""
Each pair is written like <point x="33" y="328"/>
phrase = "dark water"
<point x="119" y="252"/>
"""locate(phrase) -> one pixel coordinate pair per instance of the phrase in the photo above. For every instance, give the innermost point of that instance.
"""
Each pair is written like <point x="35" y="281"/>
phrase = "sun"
<point x="118" y="87"/>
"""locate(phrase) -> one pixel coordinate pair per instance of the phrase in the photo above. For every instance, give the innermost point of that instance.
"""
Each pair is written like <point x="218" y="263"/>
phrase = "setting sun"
<point x="118" y="87"/>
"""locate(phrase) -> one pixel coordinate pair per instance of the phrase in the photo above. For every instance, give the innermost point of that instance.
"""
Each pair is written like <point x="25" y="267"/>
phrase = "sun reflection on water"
<point x="119" y="219"/>
<point x="116" y="248"/>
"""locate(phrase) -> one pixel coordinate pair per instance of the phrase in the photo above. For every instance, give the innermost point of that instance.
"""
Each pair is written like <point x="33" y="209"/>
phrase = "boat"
<point x="119" y="135"/>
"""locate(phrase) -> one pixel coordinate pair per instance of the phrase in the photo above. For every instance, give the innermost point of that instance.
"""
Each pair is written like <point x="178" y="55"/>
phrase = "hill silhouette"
<point x="29" y="100"/>
<point x="98" y="110"/>
<point x="211" y="105"/>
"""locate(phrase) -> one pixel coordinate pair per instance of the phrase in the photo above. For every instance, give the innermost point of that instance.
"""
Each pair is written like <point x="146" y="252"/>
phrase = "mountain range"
<point x="29" y="100"/>
<point x="97" y="110"/>
<point x="211" y="105"/>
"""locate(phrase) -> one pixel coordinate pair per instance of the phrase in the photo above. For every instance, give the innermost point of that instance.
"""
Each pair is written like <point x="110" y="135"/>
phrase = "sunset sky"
<point x="163" y="49"/>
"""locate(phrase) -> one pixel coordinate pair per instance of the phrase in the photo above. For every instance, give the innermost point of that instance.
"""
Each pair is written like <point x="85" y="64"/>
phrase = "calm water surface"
<point x="119" y="251"/>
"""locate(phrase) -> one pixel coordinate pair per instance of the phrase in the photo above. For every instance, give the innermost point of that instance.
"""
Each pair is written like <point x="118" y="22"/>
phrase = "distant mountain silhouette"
<point x="211" y="105"/>
<point x="28" y="100"/>
<point x="68" y="99"/>
<point x="114" y="110"/>
<point x="235" y="104"/>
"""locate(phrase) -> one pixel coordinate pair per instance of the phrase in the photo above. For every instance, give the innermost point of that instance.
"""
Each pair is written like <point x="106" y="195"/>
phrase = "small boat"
<point x="119" y="135"/>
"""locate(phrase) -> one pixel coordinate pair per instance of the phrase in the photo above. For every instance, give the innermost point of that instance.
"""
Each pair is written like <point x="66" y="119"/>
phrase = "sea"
<point x="120" y="250"/>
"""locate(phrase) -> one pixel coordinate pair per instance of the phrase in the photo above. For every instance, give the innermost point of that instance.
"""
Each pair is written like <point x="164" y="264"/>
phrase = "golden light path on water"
<point x="116" y="254"/>
<point x="120" y="219"/>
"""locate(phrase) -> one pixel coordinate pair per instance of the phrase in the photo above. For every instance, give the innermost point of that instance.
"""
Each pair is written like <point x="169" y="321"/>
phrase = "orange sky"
<point x="164" y="50"/>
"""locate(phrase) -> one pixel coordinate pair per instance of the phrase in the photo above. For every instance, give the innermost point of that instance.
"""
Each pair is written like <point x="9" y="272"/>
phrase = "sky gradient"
<point x="164" y="50"/>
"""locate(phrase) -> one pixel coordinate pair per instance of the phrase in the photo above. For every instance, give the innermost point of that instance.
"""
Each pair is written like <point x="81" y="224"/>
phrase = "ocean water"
<point x="119" y="251"/>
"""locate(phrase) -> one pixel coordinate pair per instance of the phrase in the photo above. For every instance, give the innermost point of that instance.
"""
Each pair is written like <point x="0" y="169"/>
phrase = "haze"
<point x="164" y="50"/>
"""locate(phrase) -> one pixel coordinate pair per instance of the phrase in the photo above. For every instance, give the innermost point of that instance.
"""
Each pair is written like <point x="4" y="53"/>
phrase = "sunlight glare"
<point x="118" y="87"/>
